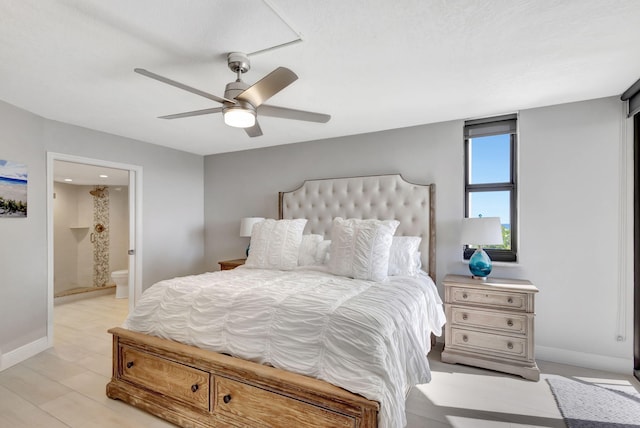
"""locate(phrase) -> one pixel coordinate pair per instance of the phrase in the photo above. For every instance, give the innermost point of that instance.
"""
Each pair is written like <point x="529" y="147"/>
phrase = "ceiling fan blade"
<point x="182" y="86"/>
<point x="289" y="113"/>
<point x="192" y="113"/>
<point x="254" y="131"/>
<point x="268" y="86"/>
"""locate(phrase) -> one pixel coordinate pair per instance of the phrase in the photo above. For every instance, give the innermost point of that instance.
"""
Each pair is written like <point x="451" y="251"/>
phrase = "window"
<point x="491" y="181"/>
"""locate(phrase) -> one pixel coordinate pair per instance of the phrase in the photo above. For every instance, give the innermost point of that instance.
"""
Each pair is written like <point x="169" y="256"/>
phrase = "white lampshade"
<point x="481" y="231"/>
<point x="239" y="117"/>
<point x="246" y="224"/>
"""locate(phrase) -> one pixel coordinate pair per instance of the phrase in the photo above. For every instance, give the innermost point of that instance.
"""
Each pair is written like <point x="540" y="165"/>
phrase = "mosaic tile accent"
<point x="101" y="271"/>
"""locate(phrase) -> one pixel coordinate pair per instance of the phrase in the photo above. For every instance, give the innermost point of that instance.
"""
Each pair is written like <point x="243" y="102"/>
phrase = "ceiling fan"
<point x="242" y="102"/>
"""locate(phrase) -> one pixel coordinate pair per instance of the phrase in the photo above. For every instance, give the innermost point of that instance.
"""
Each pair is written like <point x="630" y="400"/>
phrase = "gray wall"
<point x="23" y="253"/>
<point x="173" y="229"/>
<point x="245" y="184"/>
<point x="571" y="231"/>
<point x="172" y="195"/>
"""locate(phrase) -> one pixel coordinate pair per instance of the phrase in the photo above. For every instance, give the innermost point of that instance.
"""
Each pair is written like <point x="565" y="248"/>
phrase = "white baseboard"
<point x="22" y="353"/>
<point x="81" y="296"/>
<point x="581" y="359"/>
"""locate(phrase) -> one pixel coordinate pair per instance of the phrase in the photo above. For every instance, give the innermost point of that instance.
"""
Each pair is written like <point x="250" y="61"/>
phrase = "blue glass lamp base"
<point x="480" y="264"/>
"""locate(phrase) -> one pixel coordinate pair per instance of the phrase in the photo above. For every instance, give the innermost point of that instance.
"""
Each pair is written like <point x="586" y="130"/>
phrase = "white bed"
<point x="368" y="337"/>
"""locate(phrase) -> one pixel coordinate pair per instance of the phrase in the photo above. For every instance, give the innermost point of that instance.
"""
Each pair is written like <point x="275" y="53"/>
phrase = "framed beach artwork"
<point x="13" y="189"/>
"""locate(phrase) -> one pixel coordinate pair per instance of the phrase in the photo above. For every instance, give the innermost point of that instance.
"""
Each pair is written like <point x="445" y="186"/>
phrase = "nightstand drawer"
<point x="507" y="322"/>
<point x="489" y="298"/>
<point x="475" y="341"/>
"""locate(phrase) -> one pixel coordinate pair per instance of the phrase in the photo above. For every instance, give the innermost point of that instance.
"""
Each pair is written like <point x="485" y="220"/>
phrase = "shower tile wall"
<point x="100" y="231"/>
<point x="84" y="259"/>
<point x="66" y="239"/>
<point x="118" y="228"/>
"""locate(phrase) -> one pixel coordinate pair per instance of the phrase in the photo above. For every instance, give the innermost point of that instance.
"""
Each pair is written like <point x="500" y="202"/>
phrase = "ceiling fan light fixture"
<point x="239" y="117"/>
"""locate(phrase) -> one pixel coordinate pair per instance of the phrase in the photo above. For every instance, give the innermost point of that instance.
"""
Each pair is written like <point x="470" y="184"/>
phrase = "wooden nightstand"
<point x="231" y="264"/>
<point x="490" y="324"/>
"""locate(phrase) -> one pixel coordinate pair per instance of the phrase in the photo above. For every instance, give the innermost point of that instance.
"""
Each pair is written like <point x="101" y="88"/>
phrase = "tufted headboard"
<point x="383" y="197"/>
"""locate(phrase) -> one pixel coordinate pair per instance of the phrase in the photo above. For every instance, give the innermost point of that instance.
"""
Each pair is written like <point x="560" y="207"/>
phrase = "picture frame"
<point x="13" y="189"/>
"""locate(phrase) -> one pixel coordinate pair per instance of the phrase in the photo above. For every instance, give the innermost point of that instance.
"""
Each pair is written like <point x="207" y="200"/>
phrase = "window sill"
<point x="497" y="264"/>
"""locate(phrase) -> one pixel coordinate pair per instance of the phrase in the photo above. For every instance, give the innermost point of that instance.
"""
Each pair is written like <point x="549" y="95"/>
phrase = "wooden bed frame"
<point x="192" y="387"/>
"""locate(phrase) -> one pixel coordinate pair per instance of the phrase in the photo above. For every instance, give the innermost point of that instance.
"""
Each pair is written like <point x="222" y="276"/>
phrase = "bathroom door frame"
<point x="135" y="228"/>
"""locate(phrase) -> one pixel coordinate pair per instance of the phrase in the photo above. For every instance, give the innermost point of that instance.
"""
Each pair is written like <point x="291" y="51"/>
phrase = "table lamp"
<point x="478" y="232"/>
<point x="246" y="225"/>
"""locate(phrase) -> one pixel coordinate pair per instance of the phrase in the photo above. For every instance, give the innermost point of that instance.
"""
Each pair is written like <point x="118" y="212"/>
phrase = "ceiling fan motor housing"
<point x="238" y="62"/>
<point x="231" y="91"/>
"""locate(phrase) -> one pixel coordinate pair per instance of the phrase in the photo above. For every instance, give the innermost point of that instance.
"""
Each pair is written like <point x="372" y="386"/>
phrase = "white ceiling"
<point x="371" y="64"/>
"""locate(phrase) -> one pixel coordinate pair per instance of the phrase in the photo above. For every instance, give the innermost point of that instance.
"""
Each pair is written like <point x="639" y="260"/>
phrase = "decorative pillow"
<point x="275" y="244"/>
<point x="360" y="248"/>
<point x="404" y="257"/>
<point x="309" y="250"/>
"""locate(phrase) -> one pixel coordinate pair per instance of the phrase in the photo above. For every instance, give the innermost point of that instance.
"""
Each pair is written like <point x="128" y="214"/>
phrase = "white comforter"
<point x="369" y="338"/>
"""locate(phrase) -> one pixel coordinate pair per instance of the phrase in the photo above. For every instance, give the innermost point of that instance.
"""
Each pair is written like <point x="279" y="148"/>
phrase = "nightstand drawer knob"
<point x="464" y="295"/>
<point x="510" y="323"/>
<point x="465" y="338"/>
<point x="464" y="317"/>
<point x="510" y="345"/>
<point x="510" y="300"/>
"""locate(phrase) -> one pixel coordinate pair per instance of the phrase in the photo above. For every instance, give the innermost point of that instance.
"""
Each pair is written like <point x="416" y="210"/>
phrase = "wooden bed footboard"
<point x="192" y="387"/>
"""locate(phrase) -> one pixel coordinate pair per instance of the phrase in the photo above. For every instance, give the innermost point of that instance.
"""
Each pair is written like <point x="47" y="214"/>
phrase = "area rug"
<point x="586" y="405"/>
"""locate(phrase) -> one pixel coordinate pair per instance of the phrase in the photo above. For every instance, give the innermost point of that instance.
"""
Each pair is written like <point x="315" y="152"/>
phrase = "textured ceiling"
<point x="371" y="64"/>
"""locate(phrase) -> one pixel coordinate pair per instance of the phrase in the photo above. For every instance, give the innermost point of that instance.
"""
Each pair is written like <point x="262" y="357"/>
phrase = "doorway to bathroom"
<point x="94" y="231"/>
<point x="90" y="231"/>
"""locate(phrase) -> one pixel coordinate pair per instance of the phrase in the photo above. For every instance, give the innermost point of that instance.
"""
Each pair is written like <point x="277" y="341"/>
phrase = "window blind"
<point x="633" y="95"/>
<point x="485" y="127"/>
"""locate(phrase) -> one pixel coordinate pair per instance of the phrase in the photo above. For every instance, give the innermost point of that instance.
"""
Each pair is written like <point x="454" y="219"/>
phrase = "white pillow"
<point x="404" y="257"/>
<point x="307" y="255"/>
<point x="322" y="256"/>
<point x="360" y="248"/>
<point x="275" y="244"/>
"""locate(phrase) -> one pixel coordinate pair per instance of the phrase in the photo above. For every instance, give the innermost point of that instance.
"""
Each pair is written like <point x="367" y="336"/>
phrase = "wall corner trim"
<point x="24" y="352"/>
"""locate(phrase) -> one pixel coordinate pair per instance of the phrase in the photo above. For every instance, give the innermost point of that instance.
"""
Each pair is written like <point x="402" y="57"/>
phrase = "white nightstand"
<point x="490" y="324"/>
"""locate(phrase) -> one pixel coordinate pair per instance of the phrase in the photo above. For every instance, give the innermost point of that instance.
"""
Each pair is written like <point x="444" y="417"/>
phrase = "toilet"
<point x="121" y="278"/>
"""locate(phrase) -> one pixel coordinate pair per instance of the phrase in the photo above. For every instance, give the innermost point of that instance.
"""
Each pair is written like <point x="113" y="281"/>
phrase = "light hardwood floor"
<point x="65" y="386"/>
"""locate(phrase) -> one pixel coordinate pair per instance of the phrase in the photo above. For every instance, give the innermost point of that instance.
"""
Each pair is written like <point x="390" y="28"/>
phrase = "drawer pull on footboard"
<point x="194" y="387"/>
<point x="226" y="398"/>
<point x="510" y="345"/>
<point x="510" y="323"/>
<point x="130" y="364"/>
